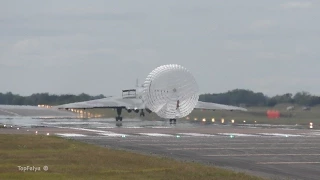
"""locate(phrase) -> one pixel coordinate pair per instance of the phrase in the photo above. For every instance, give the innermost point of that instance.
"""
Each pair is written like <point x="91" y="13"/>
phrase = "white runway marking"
<point x="197" y="134"/>
<point x="288" y="163"/>
<point x="312" y="134"/>
<point x="160" y="127"/>
<point x="227" y="155"/>
<point x="104" y="133"/>
<point x="104" y="127"/>
<point x="113" y="134"/>
<point x="238" y="134"/>
<point x="156" y="134"/>
<point x="178" y="143"/>
<point x="15" y="114"/>
<point x="134" y="127"/>
<point x="70" y="135"/>
<point x="83" y="129"/>
<point x="71" y="123"/>
<point x="281" y="135"/>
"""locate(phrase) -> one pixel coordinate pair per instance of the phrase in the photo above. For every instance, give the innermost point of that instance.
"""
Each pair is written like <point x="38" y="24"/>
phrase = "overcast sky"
<point x="101" y="47"/>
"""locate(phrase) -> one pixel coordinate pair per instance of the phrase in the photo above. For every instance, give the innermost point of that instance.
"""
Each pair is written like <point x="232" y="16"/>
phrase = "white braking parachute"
<point x="170" y="91"/>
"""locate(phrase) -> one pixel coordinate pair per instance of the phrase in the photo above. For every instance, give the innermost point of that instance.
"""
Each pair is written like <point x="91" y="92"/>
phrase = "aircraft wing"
<point x="214" y="106"/>
<point x="109" y="102"/>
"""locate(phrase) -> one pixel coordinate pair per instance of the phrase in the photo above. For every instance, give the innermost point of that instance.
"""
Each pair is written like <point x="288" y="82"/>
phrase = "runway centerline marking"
<point x="226" y="155"/>
<point x="275" y="163"/>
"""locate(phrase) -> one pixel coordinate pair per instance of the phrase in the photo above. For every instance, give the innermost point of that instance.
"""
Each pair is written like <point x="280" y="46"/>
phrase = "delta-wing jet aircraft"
<point x="170" y="101"/>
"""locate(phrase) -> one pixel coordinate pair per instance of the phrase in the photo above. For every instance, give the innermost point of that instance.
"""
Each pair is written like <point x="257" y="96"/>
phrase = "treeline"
<point x="239" y="97"/>
<point x="44" y="98"/>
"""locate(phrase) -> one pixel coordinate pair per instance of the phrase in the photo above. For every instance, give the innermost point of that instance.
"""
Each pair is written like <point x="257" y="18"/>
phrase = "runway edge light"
<point x="311" y="125"/>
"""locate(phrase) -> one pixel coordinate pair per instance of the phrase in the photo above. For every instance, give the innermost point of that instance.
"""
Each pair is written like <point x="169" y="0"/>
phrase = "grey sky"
<point x="100" y="46"/>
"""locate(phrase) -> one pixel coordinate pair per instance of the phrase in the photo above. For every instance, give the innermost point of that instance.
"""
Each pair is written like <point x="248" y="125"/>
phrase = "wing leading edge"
<point x="109" y="102"/>
<point x="132" y="103"/>
<point x="214" y="106"/>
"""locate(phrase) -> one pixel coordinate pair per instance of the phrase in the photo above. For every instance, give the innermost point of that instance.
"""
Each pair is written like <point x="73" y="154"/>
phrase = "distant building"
<point x="290" y="108"/>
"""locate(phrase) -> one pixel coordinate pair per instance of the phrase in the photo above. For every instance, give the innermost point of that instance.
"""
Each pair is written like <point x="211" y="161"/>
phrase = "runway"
<point x="272" y="157"/>
<point x="276" y="153"/>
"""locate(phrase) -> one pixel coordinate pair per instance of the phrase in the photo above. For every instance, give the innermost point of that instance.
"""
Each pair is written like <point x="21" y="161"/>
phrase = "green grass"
<point x="69" y="159"/>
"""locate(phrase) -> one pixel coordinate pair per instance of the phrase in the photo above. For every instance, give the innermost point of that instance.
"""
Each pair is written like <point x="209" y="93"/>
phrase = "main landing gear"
<point x="119" y="111"/>
<point x="141" y="113"/>
<point x="173" y="121"/>
<point x="119" y="118"/>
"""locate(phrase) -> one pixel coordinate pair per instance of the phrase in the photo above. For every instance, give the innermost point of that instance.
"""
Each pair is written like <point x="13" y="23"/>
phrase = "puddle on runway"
<point x="102" y="123"/>
<point x="98" y="123"/>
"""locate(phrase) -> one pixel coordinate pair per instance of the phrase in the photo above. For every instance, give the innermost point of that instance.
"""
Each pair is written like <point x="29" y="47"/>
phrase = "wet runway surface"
<point x="279" y="153"/>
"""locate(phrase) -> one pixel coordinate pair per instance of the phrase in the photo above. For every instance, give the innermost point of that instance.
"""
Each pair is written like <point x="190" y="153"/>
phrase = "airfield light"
<point x="187" y="117"/>
<point x="195" y="119"/>
<point x="178" y="136"/>
<point x="231" y="136"/>
<point x="255" y="121"/>
<point x="311" y="125"/>
<point x="204" y="120"/>
<point x="48" y="134"/>
<point x="222" y="121"/>
<point x="244" y="121"/>
<point x="213" y="120"/>
<point x="18" y="128"/>
<point x="232" y="121"/>
<point x="36" y="132"/>
<point x="123" y="136"/>
<point x="4" y="125"/>
<point x="11" y="126"/>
